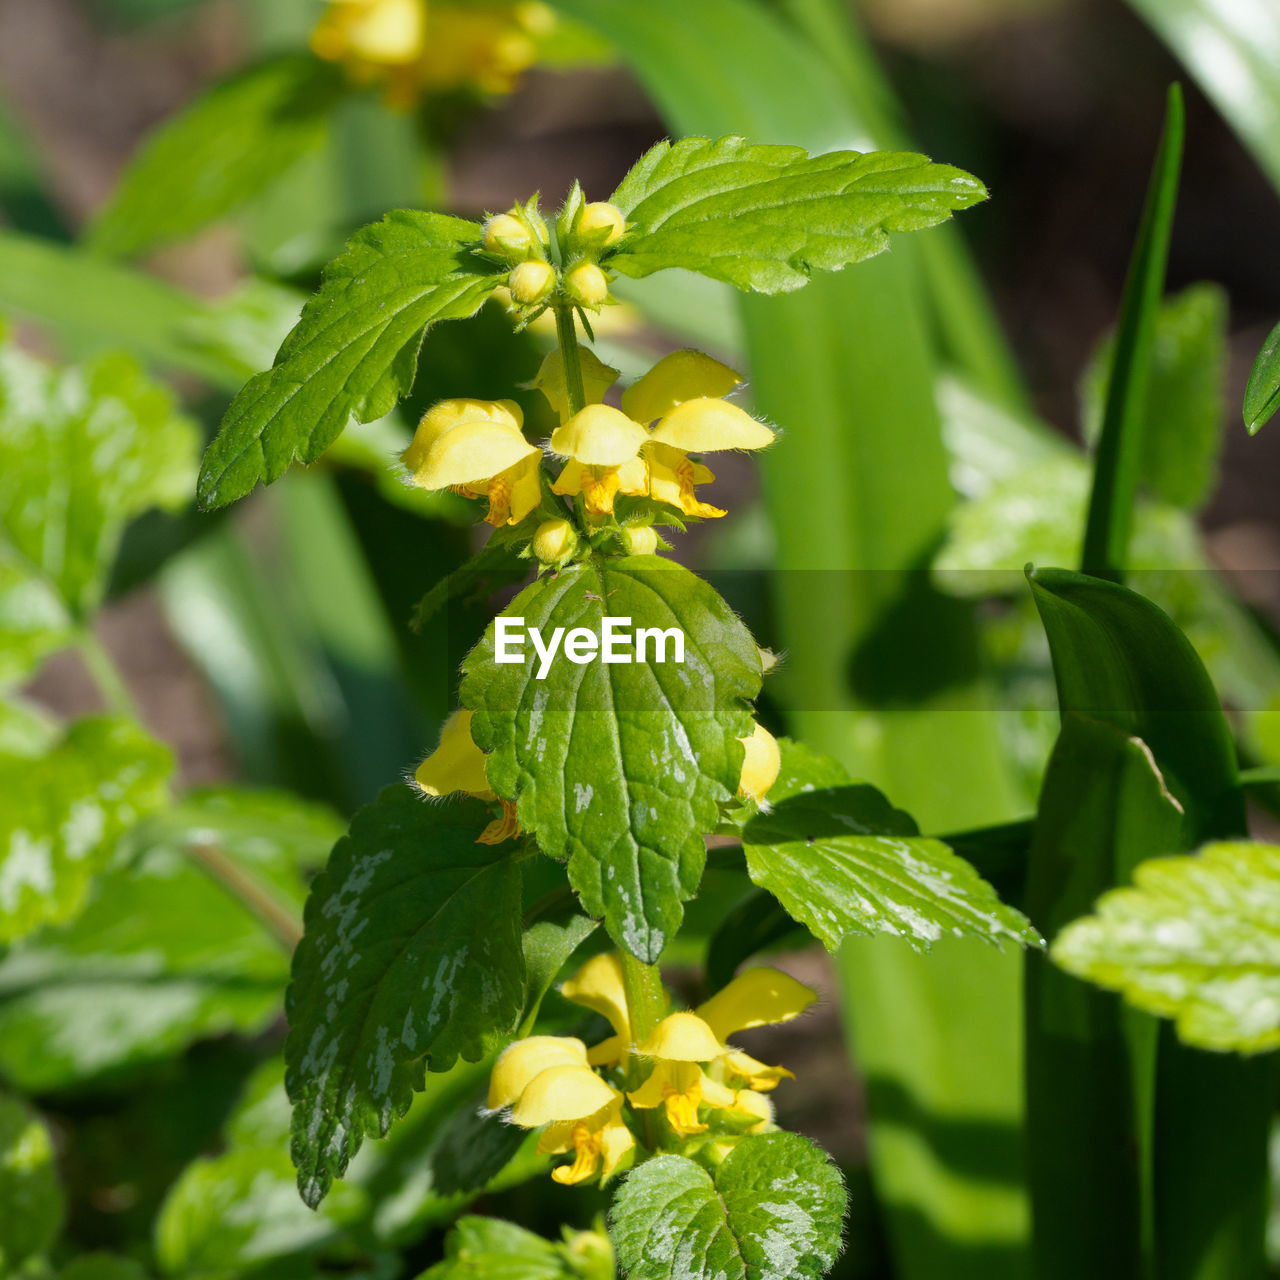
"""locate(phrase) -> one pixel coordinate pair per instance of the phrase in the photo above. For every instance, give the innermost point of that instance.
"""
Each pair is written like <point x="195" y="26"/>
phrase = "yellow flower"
<point x="598" y="986"/>
<point x="679" y="1044"/>
<point x="761" y="763"/>
<point x="603" y="448"/>
<point x="477" y="448"/>
<point x="755" y="998"/>
<point x="582" y="1114"/>
<point x="457" y="764"/>
<point x="682" y="394"/>
<point x="597" y="378"/>
<point x="520" y="1063"/>
<point x="371" y="33"/>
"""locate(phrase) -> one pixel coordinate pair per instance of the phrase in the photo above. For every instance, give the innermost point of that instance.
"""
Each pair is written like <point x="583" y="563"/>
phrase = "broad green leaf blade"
<point x="62" y="813"/>
<point x="548" y="944"/>
<point x="1186" y="396"/>
<point x="620" y="767"/>
<point x="164" y="954"/>
<point x="1233" y="51"/>
<point x="1262" y="395"/>
<point x="1117" y="467"/>
<point x="412" y="951"/>
<point x="773" y="1211"/>
<point x="219" y="153"/>
<point x="31" y="1200"/>
<point x="33" y="620"/>
<point x="496" y="1250"/>
<point x="765" y="217"/>
<point x="1197" y="939"/>
<point x="844" y="863"/>
<point x="84" y="450"/>
<point x="1104" y="802"/>
<point x="354" y="352"/>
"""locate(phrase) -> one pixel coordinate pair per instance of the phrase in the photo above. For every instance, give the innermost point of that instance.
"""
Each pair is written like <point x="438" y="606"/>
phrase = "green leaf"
<point x="1262" y="395"/>
<point x="548" y="945"/>
<point x="31" y="1201"/>
<point x="766" y="217"/>
<point x="354" y="352"/>
<point x="163" y="954"/>
<point x="33" y="620"/>
<point x="1120" y="453"/>
<point x="1230" y="50"/>
<point x="412" y="949"/>
<point x="842" y="861"/>
<point x="62" y="813"/>
<point x="621" y="767"/>
<point x="1186" y="396"/>
<point x="84" y="450"/>
<point x="219" y="152"/>
<point x="773" y="1211"/>
<point x="498" y="563"/>
<point x="102" y="1266"/>
<point x="1196" y="939"/>
<point x="490" y="1249"/>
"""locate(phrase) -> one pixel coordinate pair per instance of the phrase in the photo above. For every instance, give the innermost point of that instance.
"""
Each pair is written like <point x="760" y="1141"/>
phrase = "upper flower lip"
<point x="680" y="376"/>
<point x="707" y="425"/>
<point x="599" y="436"/>
<point x="473" y="450"/>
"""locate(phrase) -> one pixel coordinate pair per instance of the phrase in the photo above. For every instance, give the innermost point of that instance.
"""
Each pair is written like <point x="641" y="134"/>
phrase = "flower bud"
<point x="601" y="223"/>
<point x="639" y="539"/>
<point x="509" y="237"/>
<point x="761" y="763"/>
<point x="586" y="285"/>
<point x="555" y="541"/>
<point x="531" y="283"/>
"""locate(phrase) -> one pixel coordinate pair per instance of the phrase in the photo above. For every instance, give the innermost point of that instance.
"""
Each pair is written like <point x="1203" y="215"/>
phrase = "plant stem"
<point x="567" y="336"/>
<point x="280" y="923"/>
<point x="106" y="675"/>
<point x="645" y="1000"/>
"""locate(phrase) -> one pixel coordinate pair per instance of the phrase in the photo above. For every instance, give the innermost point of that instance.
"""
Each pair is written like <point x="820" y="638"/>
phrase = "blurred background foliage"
<point x="937" y="406"/>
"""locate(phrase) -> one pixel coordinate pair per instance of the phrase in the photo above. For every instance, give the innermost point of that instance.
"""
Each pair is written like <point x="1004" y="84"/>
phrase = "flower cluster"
<point x="412" y="47"/>
<point x="619" y="1101"/>
<point x="457" y="765"/>
<point x="644" y="449"/>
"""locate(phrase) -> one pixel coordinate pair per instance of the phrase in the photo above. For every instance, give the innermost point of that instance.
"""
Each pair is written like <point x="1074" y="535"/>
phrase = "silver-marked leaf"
<point x="219" y="152"/>
<point x="61" y="814"/>
<point x="1197" y="939"/>
<point x="354" y="352"/>
<point x="767" y="217"/>
<point x="83" y="451"/>
<point x="31" y="1200"/>
<point x="621" y="767"/>
<point x="843" y="862"/>
<point x="773" y="1211"/>
<point x="412" y="950"/>
<point x="163" y="954"/>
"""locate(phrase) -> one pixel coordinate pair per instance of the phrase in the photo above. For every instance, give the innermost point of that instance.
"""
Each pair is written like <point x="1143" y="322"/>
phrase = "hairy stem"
<point x="645" y="1000"/>
<point x="567" y="336"/>
<point x="279" y="922"/>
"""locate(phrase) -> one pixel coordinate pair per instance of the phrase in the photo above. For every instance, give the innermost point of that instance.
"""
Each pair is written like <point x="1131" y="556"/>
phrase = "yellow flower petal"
<point x="515" y="492"/>
<point x="389" y="32"/>
<point x="682" y="1037"/>
<point x="608" y="1052"/>
<point x="519" y="1063"/>
<point x="599" y="436"/>
<point x="501" y="829"/>
<point x="672" y="476"/>
<point x="471" y="452"/>
<point x="678" y="1087"/>
<point x="569" y="1092"/>
<point x="681" y="376"/>
<point x="598" y="986"/>
<point x="755" y="998"/>
<point x="597" y="378"/>
<point x="447" y="414"/>
<point x="457" y="764"/>
<point x="705" y="426"/>
<point x="615" y="1141"/>
<point x="761" y="762"/>
<point x="758" y="1075"/>
<point x="755" y="1104"/>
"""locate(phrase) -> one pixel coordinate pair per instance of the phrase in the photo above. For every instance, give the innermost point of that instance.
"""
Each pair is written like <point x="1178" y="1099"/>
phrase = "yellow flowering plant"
<point x="606" y="724"/>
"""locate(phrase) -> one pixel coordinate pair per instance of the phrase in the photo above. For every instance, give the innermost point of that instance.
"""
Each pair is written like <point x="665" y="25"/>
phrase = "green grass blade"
<point x="1119" y="454"/>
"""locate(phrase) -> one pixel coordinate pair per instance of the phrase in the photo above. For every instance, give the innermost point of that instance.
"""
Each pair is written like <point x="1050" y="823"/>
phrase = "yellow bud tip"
<point x="555" y="541"/>
<point x="531" y="282"/>
<point x="602" y="222"/>
<point x="507" y="236"/>
<point x="639" y="540"/>
<point x="761" y="762"/>
<point x="586" y="285"/>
